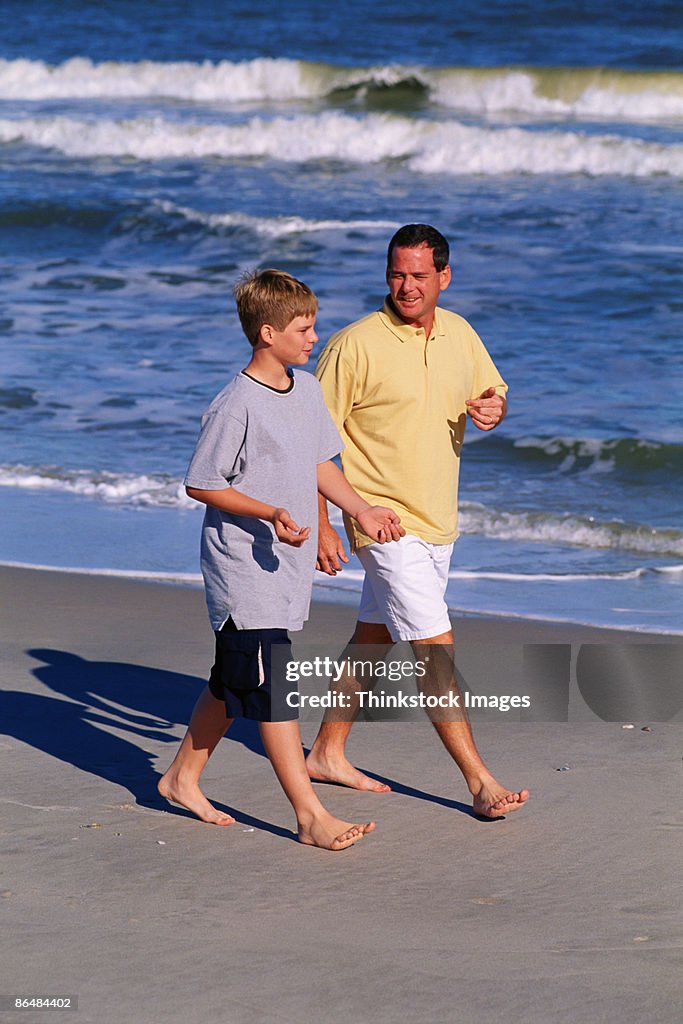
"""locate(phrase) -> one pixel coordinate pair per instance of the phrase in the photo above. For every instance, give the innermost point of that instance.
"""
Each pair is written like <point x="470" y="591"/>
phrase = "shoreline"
<point x="462" y="618"/>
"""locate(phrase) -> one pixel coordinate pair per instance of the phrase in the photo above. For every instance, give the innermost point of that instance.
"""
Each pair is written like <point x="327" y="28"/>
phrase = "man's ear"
<point x="445" y="277"/>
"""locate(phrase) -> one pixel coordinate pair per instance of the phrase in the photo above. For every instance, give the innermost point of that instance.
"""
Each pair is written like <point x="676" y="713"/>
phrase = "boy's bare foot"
<point x="493" y="800"/>
<point x="190" y="796"/>
<point x="341" y="771"/>
<point x="330" y="833"/>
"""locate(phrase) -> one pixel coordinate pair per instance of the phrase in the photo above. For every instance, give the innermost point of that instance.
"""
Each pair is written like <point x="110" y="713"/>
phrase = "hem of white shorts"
<point x="420" y="634"/>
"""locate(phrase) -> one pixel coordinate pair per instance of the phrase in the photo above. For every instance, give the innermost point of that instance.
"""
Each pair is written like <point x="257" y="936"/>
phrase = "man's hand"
<point x="488" y="410"/>
<point x="330" y="549"/>
<point x="381" y="524"/>
<point x="287" y="530"/>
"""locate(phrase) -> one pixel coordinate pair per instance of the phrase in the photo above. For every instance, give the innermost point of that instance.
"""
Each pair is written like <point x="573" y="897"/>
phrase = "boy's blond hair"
<point x="271" y="297"/>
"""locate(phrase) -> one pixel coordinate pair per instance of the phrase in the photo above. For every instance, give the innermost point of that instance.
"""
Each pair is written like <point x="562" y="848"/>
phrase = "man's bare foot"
<point x="341" y="771"/>
<point x="330" y="833"/>
<point x="190" y="796"/>
<point x="493" y="800"/>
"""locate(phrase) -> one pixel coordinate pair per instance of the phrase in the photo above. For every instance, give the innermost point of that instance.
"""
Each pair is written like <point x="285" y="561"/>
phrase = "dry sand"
<point x="566" y="911"/>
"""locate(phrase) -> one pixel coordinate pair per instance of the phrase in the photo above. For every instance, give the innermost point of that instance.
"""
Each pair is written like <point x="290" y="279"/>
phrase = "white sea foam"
<point x="428" y="147"/>
<point x="588" y="93"/>
<point x="557" y="92"/>
<point x="353" y="578"/>
<point x="114" y="488"/>
<point x="192" y="578"/>
<point x="271" y="227"/>
<point x="569" y="530"/>
<point x="567" y="577"/>
<point x="226" y="81"/>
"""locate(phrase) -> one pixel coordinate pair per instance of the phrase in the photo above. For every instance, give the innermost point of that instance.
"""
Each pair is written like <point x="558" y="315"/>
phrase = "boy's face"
<point x="294" y="344"/>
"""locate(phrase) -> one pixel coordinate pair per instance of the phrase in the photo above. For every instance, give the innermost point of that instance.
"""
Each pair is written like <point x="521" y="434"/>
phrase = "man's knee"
<point x="442" y="638"/>
<point x="371" y="633"/>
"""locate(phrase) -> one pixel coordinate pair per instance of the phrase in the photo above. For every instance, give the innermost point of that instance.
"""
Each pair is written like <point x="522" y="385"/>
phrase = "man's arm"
<point x="379" y="523"/>
<point x="330" y="548"/>
<point x="487" y="411"/>
<point x="230" y="500"/>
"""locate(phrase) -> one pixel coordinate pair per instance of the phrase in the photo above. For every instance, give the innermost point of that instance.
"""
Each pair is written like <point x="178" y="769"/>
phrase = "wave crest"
<point x="627" y="454"/>
<point x="590" y="93"/>
<point x="115" y="488"/>
<point x="570" y="530"/>
<point x="428" y="147"/>
<point x="271" y="227"/>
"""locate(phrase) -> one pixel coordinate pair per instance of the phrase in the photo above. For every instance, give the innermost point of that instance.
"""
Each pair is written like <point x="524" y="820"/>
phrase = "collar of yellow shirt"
<point x="403" y="331"/>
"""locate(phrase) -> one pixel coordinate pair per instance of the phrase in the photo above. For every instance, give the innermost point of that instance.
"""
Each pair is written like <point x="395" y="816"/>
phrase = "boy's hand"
<point x="287" y="530"/>
<point x="381" y="524"/>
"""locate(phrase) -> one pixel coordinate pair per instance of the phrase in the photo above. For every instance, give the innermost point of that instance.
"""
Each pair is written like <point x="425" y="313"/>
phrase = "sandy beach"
<point x="564" y="911"/>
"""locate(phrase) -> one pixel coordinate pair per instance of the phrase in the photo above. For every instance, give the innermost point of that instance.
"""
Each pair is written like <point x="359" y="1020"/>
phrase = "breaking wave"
<point x="590" y="93"/>
<point x="115" y="488"/>
<point x="426" y="146"/>
<point x="271" y="227"/>
<point x="596" y="455"/>
<point x="570" y="530"/>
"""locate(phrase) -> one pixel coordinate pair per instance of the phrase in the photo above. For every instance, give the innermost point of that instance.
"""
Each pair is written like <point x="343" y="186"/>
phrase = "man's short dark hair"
<point x="411" y="236"/>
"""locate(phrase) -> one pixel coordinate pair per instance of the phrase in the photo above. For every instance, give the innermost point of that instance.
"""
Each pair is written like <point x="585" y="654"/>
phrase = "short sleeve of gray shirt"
<point x="267" y="444"/>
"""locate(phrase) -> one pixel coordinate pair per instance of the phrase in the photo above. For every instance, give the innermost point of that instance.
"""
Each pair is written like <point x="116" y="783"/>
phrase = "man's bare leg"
<point x="490" y="799"/>
<point x="180" y="783"/>
<point x="327" y="761"/>
<point x="315" y="825"/>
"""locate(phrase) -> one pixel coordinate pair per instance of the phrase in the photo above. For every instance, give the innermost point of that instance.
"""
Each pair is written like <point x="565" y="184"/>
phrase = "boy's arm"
<point x="230" y="500"/>
<point x="381" y="524"/>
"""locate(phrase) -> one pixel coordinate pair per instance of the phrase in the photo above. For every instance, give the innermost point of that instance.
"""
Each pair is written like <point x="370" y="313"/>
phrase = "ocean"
<point x="150" y="153"/>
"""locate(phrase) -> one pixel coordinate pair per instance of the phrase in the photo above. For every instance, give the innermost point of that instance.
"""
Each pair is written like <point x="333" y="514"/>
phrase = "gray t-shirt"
<point x="267" y="444"/>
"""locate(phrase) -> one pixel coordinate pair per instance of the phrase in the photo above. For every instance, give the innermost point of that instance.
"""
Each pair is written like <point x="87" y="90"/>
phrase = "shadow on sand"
<point x="117" y="696"/>
<point x="127" y="698"/>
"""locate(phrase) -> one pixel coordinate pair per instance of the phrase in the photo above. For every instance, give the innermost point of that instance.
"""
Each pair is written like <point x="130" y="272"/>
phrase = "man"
<point x="400" y="384"/>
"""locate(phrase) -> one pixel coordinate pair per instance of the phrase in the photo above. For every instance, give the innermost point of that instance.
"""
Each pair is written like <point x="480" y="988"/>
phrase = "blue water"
<point x="150" y="153"/>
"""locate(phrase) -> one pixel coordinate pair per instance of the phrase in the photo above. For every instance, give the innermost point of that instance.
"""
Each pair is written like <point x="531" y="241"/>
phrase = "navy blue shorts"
<point x="242" y="674"/>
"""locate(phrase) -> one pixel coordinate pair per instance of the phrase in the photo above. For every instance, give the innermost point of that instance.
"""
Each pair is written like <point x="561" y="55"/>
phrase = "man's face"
<point x="415" y="284"/>
<point x="295" y="343"/>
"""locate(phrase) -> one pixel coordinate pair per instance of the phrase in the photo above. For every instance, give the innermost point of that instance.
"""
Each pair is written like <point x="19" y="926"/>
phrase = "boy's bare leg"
<point x="316" y="826"/>
<point x="180" y="783"/>
<point x="327" y="761"/>
<point x="490" y="799"/>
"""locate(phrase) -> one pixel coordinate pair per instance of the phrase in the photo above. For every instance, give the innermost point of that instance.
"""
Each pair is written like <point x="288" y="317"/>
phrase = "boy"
<point x="265" y="438"/>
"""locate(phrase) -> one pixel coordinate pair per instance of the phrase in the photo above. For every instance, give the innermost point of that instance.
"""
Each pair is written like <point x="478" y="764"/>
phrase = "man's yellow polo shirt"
<point x="398" y="401"/>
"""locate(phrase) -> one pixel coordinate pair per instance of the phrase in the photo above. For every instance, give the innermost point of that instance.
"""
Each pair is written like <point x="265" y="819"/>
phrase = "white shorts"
<point x="404" y="587"/>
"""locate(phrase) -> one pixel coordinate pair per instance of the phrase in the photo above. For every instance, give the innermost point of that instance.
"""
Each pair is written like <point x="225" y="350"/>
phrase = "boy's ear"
<point x="266" y="334"/>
